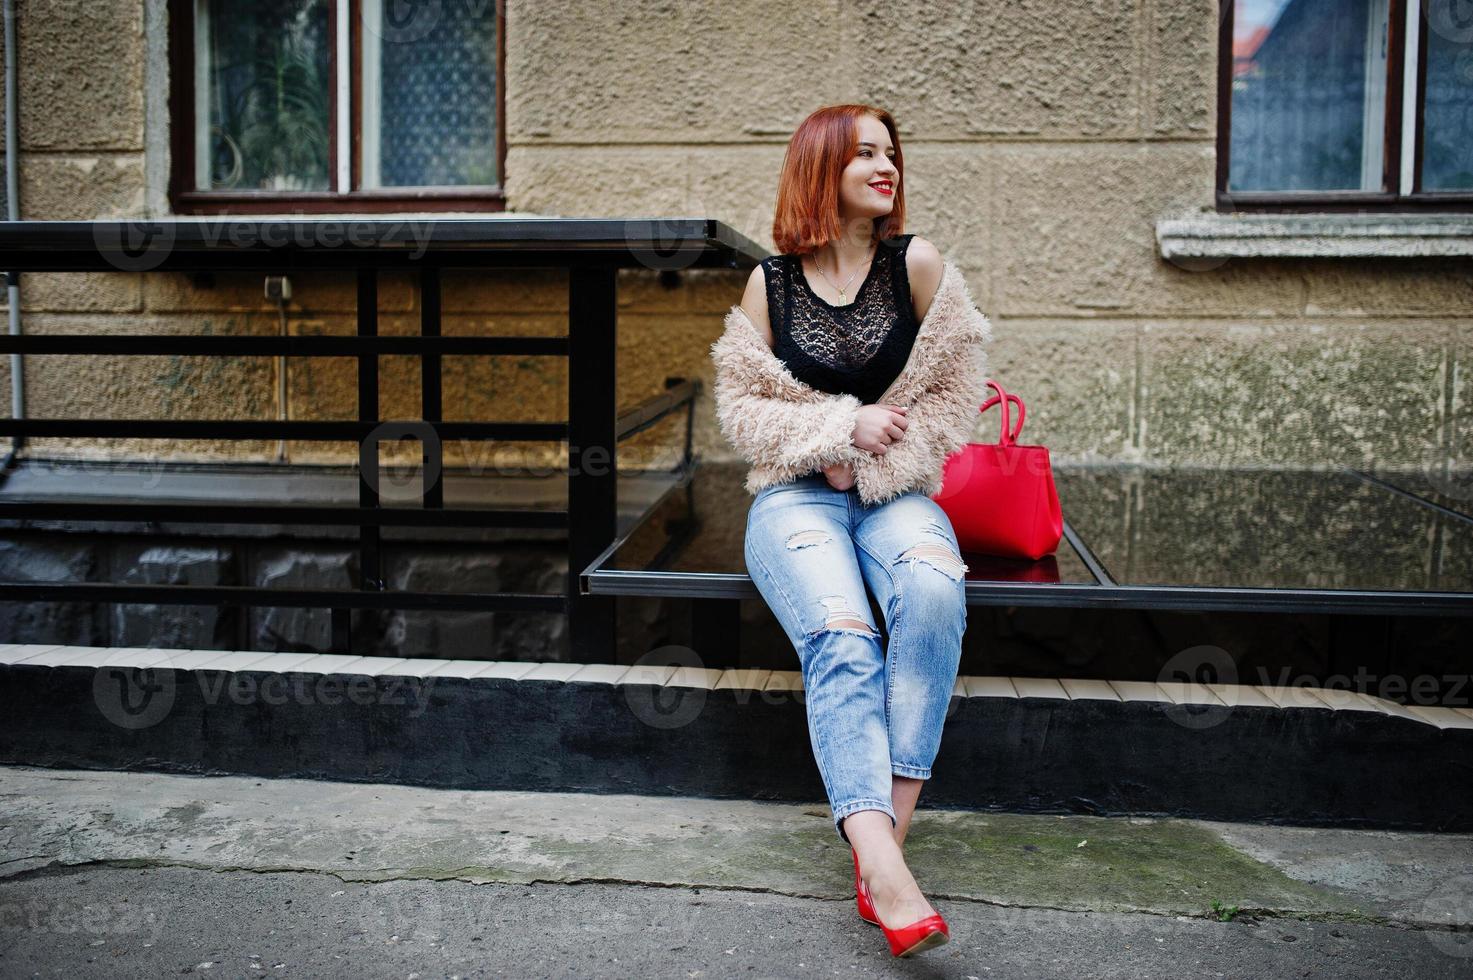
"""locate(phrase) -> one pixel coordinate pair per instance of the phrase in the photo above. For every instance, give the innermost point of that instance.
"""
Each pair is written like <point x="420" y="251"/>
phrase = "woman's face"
<point x="869" y="183"/>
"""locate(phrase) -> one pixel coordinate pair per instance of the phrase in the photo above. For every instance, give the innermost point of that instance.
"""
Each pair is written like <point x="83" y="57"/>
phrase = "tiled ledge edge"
<point x="1063" y="689"/>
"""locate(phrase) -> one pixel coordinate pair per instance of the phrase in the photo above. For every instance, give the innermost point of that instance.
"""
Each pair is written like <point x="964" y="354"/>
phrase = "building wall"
<point x="1043" y="139"/>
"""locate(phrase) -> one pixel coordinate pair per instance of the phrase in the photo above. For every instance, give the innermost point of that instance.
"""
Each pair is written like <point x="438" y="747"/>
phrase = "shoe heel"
<point x="917" y="937"/>
<point x="861" y="896"/>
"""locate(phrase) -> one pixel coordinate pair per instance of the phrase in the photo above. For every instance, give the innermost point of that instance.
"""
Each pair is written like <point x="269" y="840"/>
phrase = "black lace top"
<point x="858" y="348"/>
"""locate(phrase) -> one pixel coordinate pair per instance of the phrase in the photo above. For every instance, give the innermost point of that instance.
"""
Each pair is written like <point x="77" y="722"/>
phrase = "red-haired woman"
<point x="839" y="311"/>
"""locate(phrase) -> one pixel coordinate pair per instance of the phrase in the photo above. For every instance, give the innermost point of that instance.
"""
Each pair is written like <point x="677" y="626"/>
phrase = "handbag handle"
<point x="1005" y="438"/>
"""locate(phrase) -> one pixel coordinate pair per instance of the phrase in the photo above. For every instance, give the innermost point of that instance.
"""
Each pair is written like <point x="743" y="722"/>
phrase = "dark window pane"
<point x="429" y="108"/>
<point x="1309" y="95"/>
<point x="261" y="110"/>
<point x="1447" y="121"/>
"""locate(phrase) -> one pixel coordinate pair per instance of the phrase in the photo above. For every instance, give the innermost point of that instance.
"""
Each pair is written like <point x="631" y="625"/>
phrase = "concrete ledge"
<point x="1227" y="752"/>
<point x="1213" y="235"/>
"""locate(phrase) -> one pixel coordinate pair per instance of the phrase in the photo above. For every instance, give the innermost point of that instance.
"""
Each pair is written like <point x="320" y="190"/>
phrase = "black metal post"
<point x="593" y="473"/>
<point x="370" y="571"/>
<point x="432" y="455"/>
<point x="716" y="630"/>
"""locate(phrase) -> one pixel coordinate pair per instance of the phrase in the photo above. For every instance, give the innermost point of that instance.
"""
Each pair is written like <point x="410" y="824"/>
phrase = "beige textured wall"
<point x="1043" y="138"/>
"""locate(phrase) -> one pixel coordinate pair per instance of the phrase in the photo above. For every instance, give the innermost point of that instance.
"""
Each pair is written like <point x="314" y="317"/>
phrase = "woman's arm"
<point x="924" y="267"/>
<point x="942" y="416"/>
<point x="941" y="420"/>
<point x="754" y="304"/>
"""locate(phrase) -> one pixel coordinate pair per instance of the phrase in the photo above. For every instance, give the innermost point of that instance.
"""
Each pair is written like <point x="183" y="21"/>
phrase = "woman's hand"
<point x="840" y="475"/>
<point x="877" y="426"/>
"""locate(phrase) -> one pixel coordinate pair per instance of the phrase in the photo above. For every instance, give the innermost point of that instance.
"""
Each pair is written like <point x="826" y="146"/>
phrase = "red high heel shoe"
<point x="919" y="935"/>
<point x="861" y="896"/>
<point x="908" y="940"/>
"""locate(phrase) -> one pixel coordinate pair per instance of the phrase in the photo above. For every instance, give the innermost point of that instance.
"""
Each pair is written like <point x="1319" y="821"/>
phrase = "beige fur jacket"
<point x="786" y="428"/>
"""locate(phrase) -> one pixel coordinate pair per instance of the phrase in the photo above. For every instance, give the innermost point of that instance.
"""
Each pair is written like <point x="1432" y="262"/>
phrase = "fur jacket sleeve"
<point x="785" y="428"/>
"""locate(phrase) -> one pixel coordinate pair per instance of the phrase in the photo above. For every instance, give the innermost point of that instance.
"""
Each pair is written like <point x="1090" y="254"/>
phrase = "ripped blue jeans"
<point x="872" y="711"/>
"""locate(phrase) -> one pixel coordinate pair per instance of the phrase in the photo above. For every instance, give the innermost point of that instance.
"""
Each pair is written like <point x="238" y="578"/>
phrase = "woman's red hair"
<point x="807" y="214"/>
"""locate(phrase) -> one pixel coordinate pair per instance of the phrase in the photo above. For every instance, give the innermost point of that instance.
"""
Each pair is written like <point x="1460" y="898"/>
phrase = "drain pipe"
<point x="12" y="207"/>
<point x="279" y="290"/>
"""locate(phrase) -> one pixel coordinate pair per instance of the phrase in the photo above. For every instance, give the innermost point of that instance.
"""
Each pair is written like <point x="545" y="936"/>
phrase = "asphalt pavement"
<point x="142" y="874"/>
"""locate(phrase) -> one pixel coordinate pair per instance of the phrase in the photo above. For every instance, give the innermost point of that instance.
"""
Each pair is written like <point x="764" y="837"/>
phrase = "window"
<point x="1346" y="104"/>
<point x="326" y="105"/>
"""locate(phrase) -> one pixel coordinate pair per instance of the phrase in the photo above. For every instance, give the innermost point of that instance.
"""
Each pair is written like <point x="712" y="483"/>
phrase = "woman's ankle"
<point x="871" y="833"/>
<point x="886" y="870"/>
<point x="897" y="897"/>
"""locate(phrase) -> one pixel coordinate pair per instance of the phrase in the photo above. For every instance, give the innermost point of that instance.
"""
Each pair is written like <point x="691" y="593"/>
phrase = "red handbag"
<point x="1000" y="497"/>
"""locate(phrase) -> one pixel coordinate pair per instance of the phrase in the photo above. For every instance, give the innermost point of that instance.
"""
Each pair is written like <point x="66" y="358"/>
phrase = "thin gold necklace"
<point x="843" y="297"/>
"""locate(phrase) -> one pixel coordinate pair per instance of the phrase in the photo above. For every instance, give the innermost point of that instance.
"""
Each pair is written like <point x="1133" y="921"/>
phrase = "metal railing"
<point x="590" y="250"/>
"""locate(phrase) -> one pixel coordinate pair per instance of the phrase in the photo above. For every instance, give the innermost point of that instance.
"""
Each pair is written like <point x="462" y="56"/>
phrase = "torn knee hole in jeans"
<point x="840" y="616"/>
<point x="937" y="556"/>
<point x="803" y="539"/>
